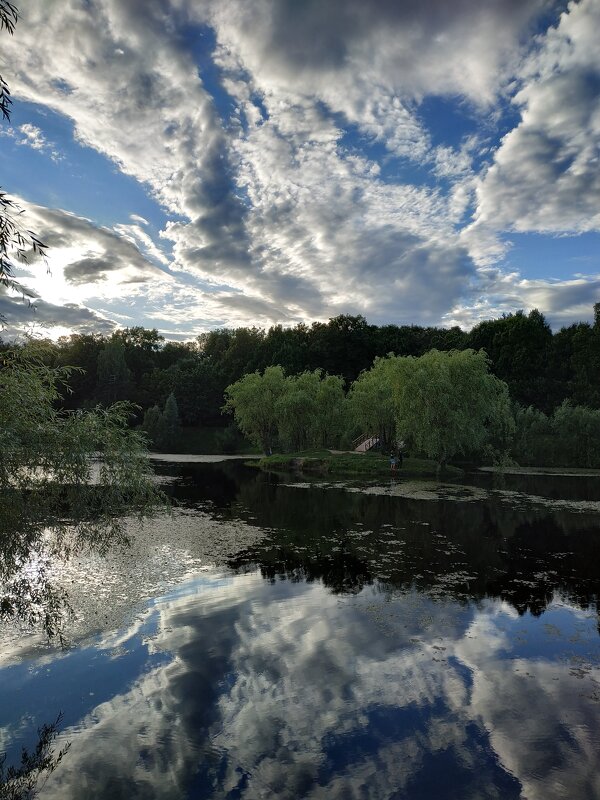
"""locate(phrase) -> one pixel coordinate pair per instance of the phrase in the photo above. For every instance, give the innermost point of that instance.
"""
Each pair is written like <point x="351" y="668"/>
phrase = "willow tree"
<point x="310" y="410"/>
<point x="67" y="481"/>
<point x="449" y="403"/>
<point x="253" y="401"/>
<point x="372" y="400"/>
<point x="296" y="410"/>
<point x="330" y="420"/>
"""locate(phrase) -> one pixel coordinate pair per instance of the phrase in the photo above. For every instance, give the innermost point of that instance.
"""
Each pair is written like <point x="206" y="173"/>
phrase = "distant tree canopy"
<point x="518" y="346"/>
<point x="114" y="375"/>
<point x="569" y="437"/>
<point x="162" y="427"/>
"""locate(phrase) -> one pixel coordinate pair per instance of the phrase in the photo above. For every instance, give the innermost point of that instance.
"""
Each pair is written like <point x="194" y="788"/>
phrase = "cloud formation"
<point x="544" y="176"/>
<point x="89" y="253"/>
<point x="29" y="135"/>
<point x="302" y="171"/>
<point x="45" y="318"/>
<point x="252" y="713"/>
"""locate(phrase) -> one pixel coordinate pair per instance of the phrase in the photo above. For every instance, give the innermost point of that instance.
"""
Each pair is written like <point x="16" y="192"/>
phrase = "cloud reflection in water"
<point x="285" y="689"/>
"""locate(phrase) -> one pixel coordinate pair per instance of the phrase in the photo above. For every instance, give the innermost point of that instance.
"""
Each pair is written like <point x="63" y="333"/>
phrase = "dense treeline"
<point x="541" y="369"/>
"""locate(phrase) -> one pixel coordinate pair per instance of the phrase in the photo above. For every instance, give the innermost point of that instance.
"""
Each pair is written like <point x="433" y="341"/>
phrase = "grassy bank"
<point x="355" y="465"/>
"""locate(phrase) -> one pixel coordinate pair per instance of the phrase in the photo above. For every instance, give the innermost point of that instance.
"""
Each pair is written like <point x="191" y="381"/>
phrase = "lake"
<point x="279" y="638"/>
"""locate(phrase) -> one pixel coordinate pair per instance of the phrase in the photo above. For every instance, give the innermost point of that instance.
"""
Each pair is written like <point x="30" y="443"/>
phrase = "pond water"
<point x="278" y="638"/>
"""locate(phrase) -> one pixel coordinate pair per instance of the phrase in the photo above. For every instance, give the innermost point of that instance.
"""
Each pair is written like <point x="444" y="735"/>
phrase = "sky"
<point x="199" y="164"/>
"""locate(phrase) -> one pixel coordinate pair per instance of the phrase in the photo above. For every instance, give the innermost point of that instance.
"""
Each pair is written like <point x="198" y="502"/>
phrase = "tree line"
<point x="441" y="405"/>
<point x="541" y="369"/>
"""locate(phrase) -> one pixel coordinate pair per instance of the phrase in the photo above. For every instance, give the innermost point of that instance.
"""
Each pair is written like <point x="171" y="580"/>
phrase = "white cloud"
<point x="279" y="216"/>
<point x="86" y="264"/>
<point x="82" y="255"/>
<point x="352" y="54"/>
<point x="545" y="176"/>
<point x="138" y="219"/>
<point x="48" y="319"/>
<point x="135" y="95"/>
<point x="563" y="302"/>
<point x="28" y="135"/>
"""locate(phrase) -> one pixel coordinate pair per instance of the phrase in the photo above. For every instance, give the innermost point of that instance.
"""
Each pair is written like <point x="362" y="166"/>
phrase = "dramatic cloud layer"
<point x="38" y="316"/>
<point x="316" y="159"/>
<point x="545" y="175"/>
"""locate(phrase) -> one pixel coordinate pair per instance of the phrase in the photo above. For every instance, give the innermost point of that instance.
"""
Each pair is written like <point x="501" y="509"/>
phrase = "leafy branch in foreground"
<point x="8" y="16"/>
<point x="16" y="244"/>
<point x="68" y="482"/>
<point x="8" y="20"/>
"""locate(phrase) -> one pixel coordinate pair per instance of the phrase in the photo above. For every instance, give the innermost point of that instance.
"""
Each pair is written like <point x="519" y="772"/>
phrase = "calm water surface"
<point x="416" y="641"/>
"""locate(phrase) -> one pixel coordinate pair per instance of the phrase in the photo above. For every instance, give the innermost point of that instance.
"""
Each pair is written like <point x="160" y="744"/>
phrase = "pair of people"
<point x="395" y="459"/>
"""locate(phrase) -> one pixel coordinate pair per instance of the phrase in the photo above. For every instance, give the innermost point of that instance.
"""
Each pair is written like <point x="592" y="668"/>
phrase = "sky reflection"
<point x="350" y="646"/>
<point x="238" y="687"/>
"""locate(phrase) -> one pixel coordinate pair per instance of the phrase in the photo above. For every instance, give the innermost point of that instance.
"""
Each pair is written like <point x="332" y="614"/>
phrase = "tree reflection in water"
<point x="380" y="647"/>
<point x="67" y="483"/>
<point x="521" y="552"/>
<point x="24" y="781"/>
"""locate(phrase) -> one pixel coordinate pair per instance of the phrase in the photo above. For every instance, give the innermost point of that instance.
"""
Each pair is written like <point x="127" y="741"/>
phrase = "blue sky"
<point x="220" y="163"/>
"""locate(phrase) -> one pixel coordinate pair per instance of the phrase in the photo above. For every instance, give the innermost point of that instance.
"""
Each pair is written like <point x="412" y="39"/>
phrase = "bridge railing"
<point x="364" y="442"/>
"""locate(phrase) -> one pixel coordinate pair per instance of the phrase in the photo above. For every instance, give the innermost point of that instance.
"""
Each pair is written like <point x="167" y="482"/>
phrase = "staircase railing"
<point x="365" y="442"/>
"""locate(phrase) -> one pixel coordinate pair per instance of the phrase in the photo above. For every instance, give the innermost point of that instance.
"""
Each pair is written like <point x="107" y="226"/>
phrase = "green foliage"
<point x="583" y="377"/>
<point x="519" y="346"/>
<point x="448" y="402"/>
<point x="372" y="400"/>
<point x="163" y="427"/>
<point x="533" y="441"/>
<point x="114" y="376"/>
<point x="72" y="475"/>
<point x="137" y="365"/>
<point x="152" y="425"/>
<point x="576" y="432"/>
<point x="228" y="439"/>
<point x="81" y="350"/>
<point x="342" y="346"/>
<point x="297" y="411"/>
<point x="253" y="401"/>
<point x="170" y="420"/>
<point x="570" y="437"/>
<point x="330" y="421"/>
<point x="16" y="243"/>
